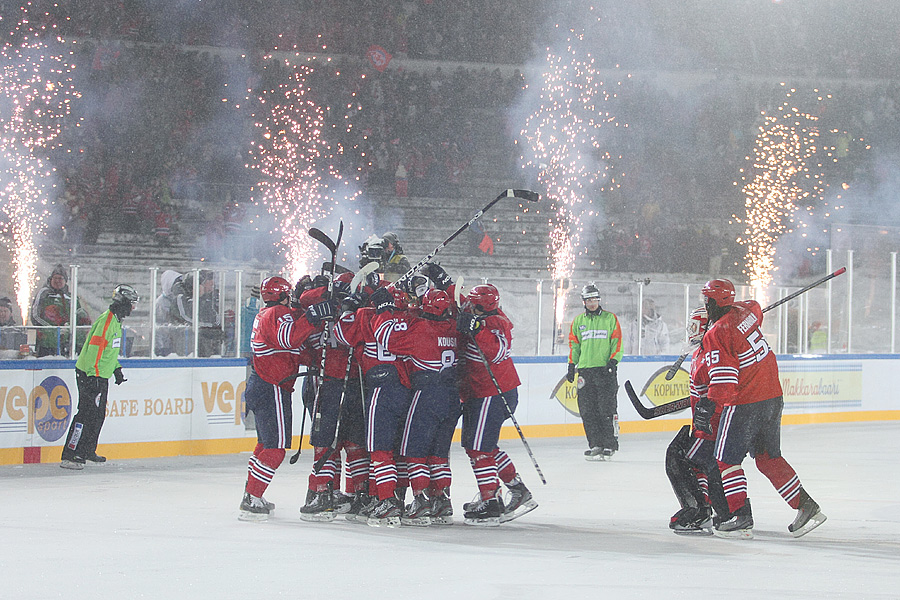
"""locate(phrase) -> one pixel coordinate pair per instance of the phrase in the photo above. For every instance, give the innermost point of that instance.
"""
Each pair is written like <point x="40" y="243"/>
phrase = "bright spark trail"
<point x="299" y="181"/>
<point x="35" y="93"/>
<point x="776" y="183"/>
<point x="564" y="140"/>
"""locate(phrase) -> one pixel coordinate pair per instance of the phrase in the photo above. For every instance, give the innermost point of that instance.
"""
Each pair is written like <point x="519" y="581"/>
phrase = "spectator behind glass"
<point x="11" y="336"/>
<point x="169" y="336"/>
<point x="653" y="330"/>
<point x="51" y="310"/>
<point x="211" y="334"/>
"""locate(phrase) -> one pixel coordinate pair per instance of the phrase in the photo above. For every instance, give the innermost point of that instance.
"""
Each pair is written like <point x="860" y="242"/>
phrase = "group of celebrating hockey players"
<point x="736" y="400"/>
<point x="390" y="368"/>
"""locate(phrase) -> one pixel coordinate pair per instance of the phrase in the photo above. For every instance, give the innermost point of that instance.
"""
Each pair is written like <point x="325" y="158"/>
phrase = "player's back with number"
<point x="742" y="367"/>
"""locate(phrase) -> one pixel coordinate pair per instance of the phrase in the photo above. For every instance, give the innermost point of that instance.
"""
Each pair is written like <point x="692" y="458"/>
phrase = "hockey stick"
<point x="320" y="236"/>
<point x="526" y="195"/>
<point x="508" y="411"/>
<point x="677" y="364"/>
<point x="337" y="428"/>
<point x="360" y="278"/>
<point x="656" y="411"/>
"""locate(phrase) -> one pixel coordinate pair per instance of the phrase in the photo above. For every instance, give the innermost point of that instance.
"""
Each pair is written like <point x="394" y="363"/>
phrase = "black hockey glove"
<point x="703" y="413"/>
<point x="321" y="311"/>
<point x="353" y="302"/>
<point x="612" y="367"/>
<point x="119" y="376"/>
<point x="382" y="300"/>
<point x="438" y="275"/>
<point x="570" y="376"/>
<point x="469" y="323"/>
<point x="303" y="284"/>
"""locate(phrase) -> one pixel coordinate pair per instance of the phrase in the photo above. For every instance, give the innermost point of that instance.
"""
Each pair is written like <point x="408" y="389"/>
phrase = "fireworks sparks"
<point x="300" y="182"/>
<point x="35" y="93"/>
<point x="563" y="139"/>
<point x="778" y="180"/>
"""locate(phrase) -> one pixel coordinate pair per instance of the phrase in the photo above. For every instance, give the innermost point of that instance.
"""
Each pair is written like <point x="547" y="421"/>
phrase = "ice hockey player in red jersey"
<point x="387" y="387"/>
<point x="743" y="380"/>
<point x="487" y="338"/>
<point x="690" y="464"/>
<point x="429" y="343"/>
<point x="278" y="332"/>
<point x="339" y="395"/>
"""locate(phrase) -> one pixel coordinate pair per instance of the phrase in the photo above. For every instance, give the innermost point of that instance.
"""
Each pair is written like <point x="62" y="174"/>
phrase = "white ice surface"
<point x="168" y="528"/>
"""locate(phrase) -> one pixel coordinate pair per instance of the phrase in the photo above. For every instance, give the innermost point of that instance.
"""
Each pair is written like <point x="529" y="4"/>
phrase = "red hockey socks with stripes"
<point x="782" y="476"/>
<point x="262" y="468"/>
<point x="734" y="481"/>
<point x="485" y="467"/>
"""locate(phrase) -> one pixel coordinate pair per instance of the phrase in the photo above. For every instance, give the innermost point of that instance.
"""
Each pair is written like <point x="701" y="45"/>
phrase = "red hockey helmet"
<point x="436" y="302"/>
<point x="401" y="299"/>
<point x="720" y="290"/>
<point x="274" y="289"/>
<point x="696" y="325"/>
<point x="484" y="297"/>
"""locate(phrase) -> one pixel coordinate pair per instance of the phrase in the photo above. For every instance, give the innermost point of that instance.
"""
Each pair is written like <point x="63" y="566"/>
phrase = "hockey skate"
<point x="319" y="508"/>
<point x="365" y="511"/>
<point x="95" y="458"/>
<point x="809" y="516"/>
<point x="386" y="513"/>
<point x="737" y="525"/>
<point x="441" y="509"/>
<point x="417" y="512"/>
<point x="269" y="505"/>
<point x="342" y="502"/>
<point x="692" y="520"/>
<point x="361" y="500"/>
<point x="76" y="463"/>
<point x="253" y="509"/>
<point x="598" y="454"/>
<point x="485" y="513"/>
<point x="518" y="501"/>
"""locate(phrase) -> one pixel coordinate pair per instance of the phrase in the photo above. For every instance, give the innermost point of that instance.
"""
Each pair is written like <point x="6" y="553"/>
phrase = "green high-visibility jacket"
<point x="594" y="340"/>
<point x="99" y="356"/>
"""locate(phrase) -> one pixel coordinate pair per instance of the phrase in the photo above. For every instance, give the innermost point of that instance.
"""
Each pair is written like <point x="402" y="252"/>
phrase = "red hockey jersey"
<point x="699" y="388"/>
<point x="742" y="368"/>
<point x="356" y="329"/>
<point x="278" y="333"/>
<point x="495" y="341"/>
<point x="428" y="345"/>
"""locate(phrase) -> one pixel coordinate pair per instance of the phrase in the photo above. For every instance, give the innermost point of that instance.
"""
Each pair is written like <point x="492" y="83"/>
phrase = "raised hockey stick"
<point x="677" y="364"/>
<point x="526" y="195"/>
<point x="656" y="411"/>
<point x="332" y="245"/>
<point x="512" y="417"/>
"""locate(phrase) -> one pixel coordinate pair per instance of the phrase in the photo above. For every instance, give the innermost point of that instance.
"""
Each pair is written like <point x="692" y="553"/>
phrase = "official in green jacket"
<point x="97" y="362"/>
<point x="595" y="348"/>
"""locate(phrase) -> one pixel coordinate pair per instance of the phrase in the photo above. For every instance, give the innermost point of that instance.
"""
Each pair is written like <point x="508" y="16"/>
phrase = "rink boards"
<point x="195" y="406"/>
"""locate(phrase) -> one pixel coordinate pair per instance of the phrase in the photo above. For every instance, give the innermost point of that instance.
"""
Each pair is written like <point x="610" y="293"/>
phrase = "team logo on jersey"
<point x="52" y="408"/>
<point x="659" y="391"/>
<point x="567" y="394"/>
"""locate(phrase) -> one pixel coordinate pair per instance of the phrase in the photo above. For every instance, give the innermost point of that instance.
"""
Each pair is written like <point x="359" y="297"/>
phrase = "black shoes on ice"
<point x="76" y="463"/>
<point x="485" y="513"/>
<point x="597" y="454"/>
<point x="255" y="509"/>
<point x="737" y="525"/>
<point x="692" y="520"/>
<point x="809" y="516"/>
<point x="518" y="501"/>
<point x="319" y="506"/>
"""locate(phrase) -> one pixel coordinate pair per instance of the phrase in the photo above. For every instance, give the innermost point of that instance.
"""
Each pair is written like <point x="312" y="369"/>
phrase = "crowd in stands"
<point x="166" y="117"/>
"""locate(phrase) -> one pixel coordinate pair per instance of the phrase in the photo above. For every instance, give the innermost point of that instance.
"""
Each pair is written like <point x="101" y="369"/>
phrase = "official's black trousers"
<point x="598" y="407"/>
<point x="87" y="422"/>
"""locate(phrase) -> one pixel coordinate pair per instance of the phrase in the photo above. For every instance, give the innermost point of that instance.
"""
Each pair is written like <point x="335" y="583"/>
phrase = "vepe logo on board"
<point x="48" y="409"/>
<point x="224" y="403"/>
